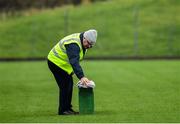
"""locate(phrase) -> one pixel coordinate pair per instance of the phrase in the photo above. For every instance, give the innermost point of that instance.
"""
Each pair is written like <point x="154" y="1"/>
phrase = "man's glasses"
<point x="91" y="45"/>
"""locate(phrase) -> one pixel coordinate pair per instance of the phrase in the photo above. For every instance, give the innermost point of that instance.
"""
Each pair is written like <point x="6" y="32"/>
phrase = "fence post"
<point x="136" y="26"/>
<point x="170" y="39"/>
<point x="66" y="19"/>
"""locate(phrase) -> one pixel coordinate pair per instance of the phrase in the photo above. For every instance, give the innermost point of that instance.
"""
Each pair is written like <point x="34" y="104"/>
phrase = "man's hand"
<point x="84" y="80"/>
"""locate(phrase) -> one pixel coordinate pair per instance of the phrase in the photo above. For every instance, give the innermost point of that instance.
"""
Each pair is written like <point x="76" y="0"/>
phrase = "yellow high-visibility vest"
<point x="58" y="53"/>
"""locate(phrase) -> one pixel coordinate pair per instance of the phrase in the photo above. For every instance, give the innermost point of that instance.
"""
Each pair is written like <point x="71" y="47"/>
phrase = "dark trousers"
<point x="65" y="84"/>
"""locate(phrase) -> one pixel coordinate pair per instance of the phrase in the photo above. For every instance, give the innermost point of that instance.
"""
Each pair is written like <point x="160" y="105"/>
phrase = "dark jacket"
<point x="73" y="51"/>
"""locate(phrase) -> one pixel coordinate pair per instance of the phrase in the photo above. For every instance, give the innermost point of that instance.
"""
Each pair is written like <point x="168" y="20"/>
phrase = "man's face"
<point x="86" y="44"/>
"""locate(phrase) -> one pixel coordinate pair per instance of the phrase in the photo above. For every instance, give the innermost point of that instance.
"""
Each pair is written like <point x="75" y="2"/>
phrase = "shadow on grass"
<point x="104" y="112"/>
<point x="38" y="114"/>
<point x="52" y="114"/>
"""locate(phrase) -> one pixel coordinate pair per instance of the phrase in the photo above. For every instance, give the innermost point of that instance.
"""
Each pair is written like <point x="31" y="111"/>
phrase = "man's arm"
<point x="73" y="55"/>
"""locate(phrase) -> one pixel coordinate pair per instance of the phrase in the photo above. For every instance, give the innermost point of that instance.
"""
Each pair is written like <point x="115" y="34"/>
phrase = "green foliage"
<point x="14" y="5"/>
<point x="126" y="91"/>
<point x="158" y="28"/>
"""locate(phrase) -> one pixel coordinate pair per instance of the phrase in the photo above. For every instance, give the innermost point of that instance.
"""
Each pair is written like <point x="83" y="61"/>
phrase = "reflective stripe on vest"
<point x="59" y="56"/>
<point x="61" y="43"/>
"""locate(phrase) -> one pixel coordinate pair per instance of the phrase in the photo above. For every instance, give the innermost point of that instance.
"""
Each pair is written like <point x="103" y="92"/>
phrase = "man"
<point x="63" y="61"/>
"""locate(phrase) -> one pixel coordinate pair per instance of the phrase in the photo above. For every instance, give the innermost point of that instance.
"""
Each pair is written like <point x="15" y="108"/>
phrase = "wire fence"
<point x="166" y="36"/>
<point x="133" y="32"/>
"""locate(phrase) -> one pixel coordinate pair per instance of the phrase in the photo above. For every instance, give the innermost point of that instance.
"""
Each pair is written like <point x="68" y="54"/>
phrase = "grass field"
<point x="33" y="35"/>
<point x="126" y="91"/>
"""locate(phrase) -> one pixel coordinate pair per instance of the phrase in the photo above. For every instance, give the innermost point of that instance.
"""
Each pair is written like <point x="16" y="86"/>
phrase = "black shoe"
<point x="73" y="112"/>
<point x="66" y="113"/>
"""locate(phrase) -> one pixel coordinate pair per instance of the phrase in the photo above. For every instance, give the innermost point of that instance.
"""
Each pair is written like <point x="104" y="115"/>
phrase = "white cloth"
<point x="91" y="84"/>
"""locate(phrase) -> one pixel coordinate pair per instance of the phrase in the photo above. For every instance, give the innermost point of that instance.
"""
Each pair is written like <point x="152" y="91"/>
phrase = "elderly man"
<point x="63" y="61"/>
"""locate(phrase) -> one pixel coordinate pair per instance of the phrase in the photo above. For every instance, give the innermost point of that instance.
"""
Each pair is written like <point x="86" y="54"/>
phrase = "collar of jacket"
<point x="81" y="38"/>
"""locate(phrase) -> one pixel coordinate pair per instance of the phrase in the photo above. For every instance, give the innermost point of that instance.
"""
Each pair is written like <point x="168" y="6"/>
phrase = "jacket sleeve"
<point x="73" y="51"/>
